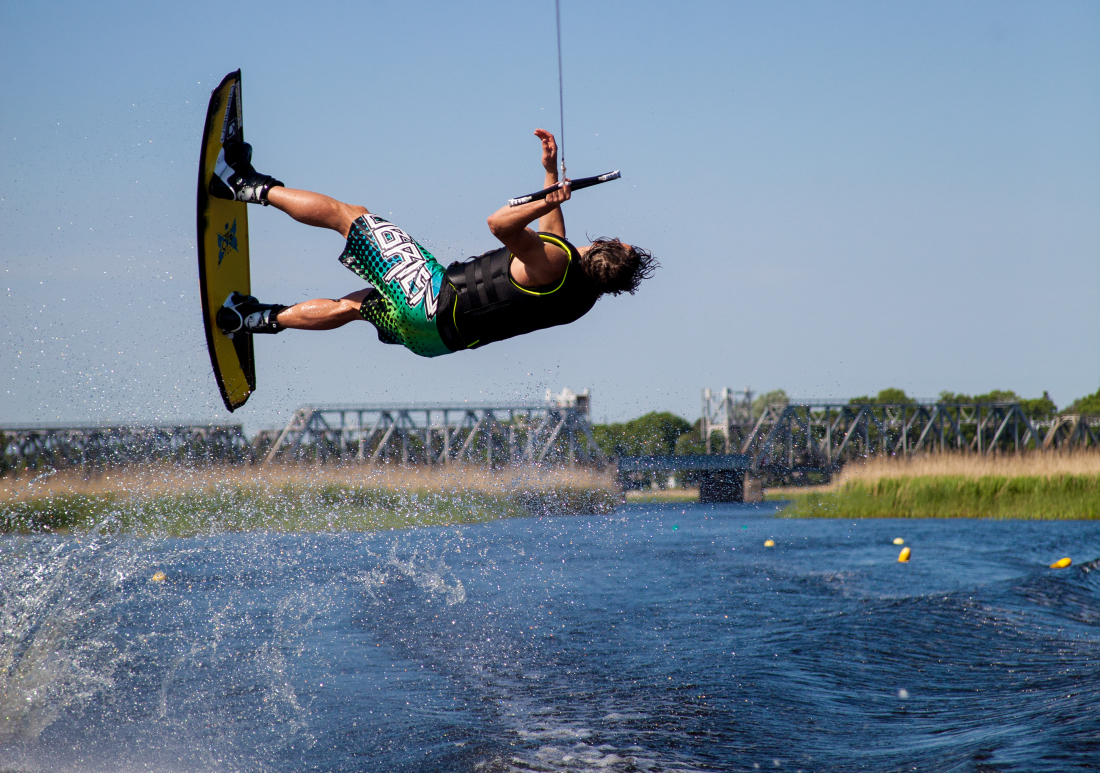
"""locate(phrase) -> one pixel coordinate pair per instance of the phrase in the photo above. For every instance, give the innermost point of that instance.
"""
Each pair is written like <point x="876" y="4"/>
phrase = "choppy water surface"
<point x="656" y="639"/>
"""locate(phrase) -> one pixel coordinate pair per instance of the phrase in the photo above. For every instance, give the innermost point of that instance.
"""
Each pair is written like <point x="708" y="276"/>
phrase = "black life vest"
<point x="481" y="303"/>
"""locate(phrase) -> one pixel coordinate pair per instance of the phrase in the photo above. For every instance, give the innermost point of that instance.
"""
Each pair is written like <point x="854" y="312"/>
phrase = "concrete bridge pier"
<point x="722" y="486"/>
<point x="721" y="476"/>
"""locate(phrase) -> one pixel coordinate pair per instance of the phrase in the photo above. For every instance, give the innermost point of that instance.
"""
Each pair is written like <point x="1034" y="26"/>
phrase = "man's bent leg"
<point x="323" y="313"/>
<point x="315" y="209"/>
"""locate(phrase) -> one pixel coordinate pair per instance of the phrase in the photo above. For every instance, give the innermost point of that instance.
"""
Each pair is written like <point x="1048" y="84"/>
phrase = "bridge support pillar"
<point x="722" y="486"/>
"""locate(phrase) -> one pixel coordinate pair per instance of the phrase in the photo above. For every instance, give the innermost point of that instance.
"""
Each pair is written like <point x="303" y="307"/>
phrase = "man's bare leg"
<point x="315" y="209"/>
<point x="323" y="313"/>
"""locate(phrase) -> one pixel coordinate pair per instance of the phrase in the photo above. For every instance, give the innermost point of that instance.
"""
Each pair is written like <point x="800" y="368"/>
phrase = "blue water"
<point x="656" y="639"/>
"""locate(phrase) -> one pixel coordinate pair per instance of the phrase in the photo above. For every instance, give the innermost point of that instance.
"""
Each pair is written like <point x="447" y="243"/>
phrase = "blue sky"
<point x="843" y="196"/>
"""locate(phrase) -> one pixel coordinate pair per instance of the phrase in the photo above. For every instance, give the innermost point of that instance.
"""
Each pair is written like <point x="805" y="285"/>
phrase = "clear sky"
<point x="844" y="196"/>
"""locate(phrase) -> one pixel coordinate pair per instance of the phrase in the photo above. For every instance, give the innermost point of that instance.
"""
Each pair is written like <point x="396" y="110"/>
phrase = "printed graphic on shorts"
<point x="409" y="268"/>
<point x="408" y="278"/>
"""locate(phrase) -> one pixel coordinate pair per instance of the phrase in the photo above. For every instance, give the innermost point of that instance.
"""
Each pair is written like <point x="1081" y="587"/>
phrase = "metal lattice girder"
<point x="1073" y="432"/>
<point x="557" y="431"/>
<point x="824" y="434"/>
<point x="98" y="445"/>
<point x="725" y="413"/>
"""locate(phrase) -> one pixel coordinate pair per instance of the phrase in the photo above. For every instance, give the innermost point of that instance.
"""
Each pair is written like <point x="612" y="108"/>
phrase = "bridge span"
<point x="555" y="431"/>
<point x="787" y="438"/>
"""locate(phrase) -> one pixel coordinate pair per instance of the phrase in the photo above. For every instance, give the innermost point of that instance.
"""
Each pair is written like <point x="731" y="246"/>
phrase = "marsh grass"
<point x="176" y="501"/>
<point x="1032" y="465"/>
<point x="1032" y="486"/>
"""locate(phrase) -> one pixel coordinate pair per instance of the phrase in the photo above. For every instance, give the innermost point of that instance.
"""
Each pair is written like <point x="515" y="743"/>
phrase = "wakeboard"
<point x="223" y="249"/>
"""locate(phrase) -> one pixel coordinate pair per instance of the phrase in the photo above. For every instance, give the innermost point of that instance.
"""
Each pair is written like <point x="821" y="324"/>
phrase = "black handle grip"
<point x="584" y="182"/>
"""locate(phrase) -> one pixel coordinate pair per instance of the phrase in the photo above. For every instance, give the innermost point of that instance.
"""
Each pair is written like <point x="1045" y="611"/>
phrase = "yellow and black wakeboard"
<point x="223" y="249"/>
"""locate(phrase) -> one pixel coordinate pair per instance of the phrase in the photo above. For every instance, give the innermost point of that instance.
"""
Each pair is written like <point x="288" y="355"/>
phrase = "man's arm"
<point x="540" y="263"/>
<point x="553" y="222"/>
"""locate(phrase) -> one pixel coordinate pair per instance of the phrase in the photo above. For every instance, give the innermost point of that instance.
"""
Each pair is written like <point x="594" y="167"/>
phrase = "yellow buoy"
<point x="159" y="577"/>
<point x="899" y="541"/>
<point x="903" y="557"/>
<point x="1061" y="563"/>
<point x="769" y="543"/>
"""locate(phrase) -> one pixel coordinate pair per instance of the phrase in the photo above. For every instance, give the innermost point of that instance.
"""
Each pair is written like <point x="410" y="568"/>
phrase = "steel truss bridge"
<point x="557" y="431"/>
<point x="58" y="447"/>
<point x="820" y="435"/>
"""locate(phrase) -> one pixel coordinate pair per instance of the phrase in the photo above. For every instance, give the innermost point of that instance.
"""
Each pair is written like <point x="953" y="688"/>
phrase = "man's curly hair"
<point x="616" y="269"/>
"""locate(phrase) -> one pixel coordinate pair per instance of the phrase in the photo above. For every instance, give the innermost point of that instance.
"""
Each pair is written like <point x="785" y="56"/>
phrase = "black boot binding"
<point x="245" y="314"/>
<point x="235" y="179"/>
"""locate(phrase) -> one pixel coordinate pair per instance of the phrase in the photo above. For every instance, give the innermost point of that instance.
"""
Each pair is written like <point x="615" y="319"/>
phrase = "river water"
<point x="660" y="638"/>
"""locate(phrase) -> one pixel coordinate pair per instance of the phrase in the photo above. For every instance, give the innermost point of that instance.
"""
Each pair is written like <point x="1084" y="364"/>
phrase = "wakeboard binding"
<point x="235" y="178"/>
<point x="245" y="314"/>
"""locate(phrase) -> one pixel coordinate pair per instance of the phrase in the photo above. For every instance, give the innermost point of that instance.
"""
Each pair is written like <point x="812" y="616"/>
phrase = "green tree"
<point x="692" y="443"/>
<point x="1034" y="408"/>
<point x="652" y="434"/>
<point x="998" y="396"/>
<point x="1090" y="404"/>
<point x="774" y="397"/>
<point x="1039" y="407"/>
<point x="888" y="396"/>
<point x="992" y="396"/>
<point x="955" y="397"/>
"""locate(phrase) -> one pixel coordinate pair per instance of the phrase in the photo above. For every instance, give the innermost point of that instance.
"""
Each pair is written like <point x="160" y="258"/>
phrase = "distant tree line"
<point x="1034" y="408"/>
<point x="664" y="433"/>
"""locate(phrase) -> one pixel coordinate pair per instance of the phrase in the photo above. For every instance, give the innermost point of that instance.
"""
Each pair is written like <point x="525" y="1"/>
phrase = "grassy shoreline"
<point x="171" y="501"/>
<point x="1026" y="487"/>
<point x="1073" y="497"/>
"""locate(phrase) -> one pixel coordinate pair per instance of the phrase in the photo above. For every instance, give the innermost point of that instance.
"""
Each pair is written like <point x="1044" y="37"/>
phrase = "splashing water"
<point x="56" y="648"/>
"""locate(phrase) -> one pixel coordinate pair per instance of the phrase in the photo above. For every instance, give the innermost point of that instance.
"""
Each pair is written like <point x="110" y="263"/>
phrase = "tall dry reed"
<point x="1048" y="464"/>
<point x="161" y="479"/>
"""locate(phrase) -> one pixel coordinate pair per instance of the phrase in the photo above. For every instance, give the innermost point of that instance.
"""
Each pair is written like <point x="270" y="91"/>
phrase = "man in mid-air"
<point x="535" y="281"/>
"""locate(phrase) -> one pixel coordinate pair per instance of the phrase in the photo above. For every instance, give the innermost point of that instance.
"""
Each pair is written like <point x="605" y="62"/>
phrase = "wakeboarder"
<point x="537" y="279"/>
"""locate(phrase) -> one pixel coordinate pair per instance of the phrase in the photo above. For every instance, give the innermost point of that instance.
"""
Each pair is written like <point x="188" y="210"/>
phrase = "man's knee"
<point x="349" y="214"/>
<point x="353" y="212"/>
<point x="356" y="298"/>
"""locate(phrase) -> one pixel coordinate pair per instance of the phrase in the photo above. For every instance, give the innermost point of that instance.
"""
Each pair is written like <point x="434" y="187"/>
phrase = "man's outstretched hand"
<point x="550" y="164"/>
<point x="509" y="224"/>
<point x="549" y="151"/>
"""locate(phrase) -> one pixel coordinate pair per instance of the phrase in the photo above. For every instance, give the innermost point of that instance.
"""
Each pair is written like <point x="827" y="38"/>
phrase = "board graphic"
<point x="223" y="249"/>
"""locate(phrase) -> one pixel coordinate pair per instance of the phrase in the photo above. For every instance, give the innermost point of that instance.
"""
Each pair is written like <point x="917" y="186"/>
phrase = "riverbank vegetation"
<point x="1026" y="486"/>
<point x="167" y="500"/>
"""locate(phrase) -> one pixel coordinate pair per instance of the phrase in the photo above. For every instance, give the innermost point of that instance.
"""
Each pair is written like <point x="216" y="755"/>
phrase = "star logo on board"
<point x="227" y="241"/>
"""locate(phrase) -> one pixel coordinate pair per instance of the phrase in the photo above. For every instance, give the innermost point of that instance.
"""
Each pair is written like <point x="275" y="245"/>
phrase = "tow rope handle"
<point x="583" y="182"/>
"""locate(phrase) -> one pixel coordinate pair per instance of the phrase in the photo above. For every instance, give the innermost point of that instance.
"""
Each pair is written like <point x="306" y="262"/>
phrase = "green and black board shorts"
<point x="408" y="282"/>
